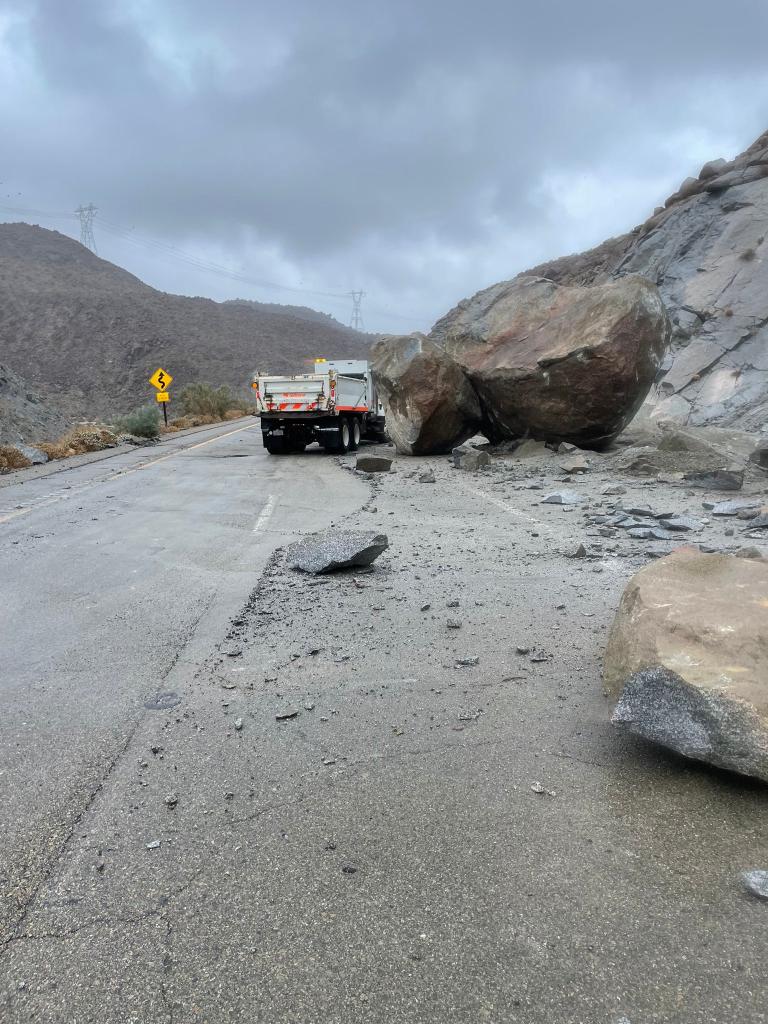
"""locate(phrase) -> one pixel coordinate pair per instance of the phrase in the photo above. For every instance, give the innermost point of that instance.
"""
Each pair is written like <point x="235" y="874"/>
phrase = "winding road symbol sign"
<point x="160" y="379"/>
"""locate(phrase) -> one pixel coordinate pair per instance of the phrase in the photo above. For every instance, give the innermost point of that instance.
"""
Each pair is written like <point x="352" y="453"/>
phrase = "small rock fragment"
<point x="238" y="724"/>
<point x="453" y="624"/>
<point x="563" y="498"/>
<point x="578" y="551"/>
<point x="468" y="662"/>
<point x="756" y="882"/>
<point x="154" y="845"/>
<point x="283" y="716"/>
<point x="427" y="478"/>
<point x="373" y="464"/>
<point x="731" y="479"/>
<point x="171" y="800"/>
<point x="538" y="788"/>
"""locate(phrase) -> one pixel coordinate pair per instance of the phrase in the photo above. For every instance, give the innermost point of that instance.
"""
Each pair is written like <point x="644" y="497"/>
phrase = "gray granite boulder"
<point x="333" y="550"/>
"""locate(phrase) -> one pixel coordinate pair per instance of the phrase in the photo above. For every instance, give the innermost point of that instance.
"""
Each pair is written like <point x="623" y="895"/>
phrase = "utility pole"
<point x="86" y="215"/>
<point x="356" y="320"/>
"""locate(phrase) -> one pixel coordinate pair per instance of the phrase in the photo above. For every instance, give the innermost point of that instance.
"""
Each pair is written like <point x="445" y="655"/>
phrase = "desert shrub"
<point x="88" y="437"/>
<point x="143" y="422"/>
<point x="55" y="450"/>
<point x="205" y="400"/>
<point x="11" y="458"/>
<point x="184" y="422"/>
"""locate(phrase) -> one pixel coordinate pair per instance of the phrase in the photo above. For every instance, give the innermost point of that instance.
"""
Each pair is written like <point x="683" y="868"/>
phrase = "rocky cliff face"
<point x="706" y="250"/>
<point x="24" y="415"/>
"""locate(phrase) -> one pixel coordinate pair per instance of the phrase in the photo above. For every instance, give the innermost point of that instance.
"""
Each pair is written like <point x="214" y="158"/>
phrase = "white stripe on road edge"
<point x="265" y="513"/>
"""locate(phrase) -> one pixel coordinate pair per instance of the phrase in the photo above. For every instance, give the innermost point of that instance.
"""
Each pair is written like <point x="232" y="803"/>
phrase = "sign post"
<point x="164" y="398"/>
<point x="160" y="380"/>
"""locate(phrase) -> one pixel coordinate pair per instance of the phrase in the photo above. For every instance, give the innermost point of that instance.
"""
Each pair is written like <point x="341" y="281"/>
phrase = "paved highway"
<point x="387" y="797"/>
<point x="118" y="577"/>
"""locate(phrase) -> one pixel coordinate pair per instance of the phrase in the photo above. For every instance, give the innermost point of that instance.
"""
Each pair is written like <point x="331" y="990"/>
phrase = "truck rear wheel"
<point x="354" y="434"/>
<point x="275" y="445"/>
<point x="338" y="439"/>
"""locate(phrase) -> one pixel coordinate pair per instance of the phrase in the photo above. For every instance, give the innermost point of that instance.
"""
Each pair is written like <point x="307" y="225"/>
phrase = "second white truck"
<point x="336" y="406"/>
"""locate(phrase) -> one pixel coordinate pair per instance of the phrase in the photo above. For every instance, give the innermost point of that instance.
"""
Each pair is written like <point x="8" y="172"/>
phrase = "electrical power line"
<point x="86" y="215"/>
<point x="164" y="250"/>
<point x="356" y="320"/>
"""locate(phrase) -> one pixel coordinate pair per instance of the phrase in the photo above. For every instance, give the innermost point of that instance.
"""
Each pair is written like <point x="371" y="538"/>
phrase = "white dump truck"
<point x="336" y="406"/>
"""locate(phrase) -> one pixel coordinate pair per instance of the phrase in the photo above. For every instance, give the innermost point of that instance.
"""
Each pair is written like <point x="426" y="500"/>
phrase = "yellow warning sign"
<point x="160" y="379"/>
<point x="162" y="396"/>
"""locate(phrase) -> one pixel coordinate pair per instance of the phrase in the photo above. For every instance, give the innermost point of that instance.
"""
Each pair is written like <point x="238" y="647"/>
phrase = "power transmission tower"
<point x="356" y="320"/>
<point x="86" y="215"/>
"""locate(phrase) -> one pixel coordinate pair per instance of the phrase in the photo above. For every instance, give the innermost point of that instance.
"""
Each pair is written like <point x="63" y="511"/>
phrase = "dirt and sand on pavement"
<point x="393" y="794"/>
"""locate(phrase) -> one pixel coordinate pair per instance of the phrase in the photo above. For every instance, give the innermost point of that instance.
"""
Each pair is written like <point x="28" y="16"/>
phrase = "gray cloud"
<point x="419" y="150"/>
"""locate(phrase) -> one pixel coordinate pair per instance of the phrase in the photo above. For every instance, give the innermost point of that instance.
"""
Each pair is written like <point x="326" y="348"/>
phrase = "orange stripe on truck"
<point x="352" y="408"/>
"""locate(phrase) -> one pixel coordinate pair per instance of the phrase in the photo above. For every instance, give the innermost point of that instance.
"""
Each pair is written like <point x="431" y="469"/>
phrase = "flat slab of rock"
<point x="564" y="498"/>
<point x="333" y="550"/>
<point x="687" y="658"/>
<point x="717" y="479"/>
<point x="373" y="464"/>
<point x="732" y="508"/>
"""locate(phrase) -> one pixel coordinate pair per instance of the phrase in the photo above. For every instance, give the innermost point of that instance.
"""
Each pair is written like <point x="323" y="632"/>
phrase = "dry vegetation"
<point x="11" y="458"/>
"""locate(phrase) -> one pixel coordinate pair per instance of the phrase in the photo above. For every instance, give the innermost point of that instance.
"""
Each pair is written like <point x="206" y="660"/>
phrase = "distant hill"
<point x="85" y="335"/>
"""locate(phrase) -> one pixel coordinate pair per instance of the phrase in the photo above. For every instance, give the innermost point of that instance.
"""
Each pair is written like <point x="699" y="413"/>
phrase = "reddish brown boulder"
<point x="431" y="407"/>
<point x="558" y="363"/>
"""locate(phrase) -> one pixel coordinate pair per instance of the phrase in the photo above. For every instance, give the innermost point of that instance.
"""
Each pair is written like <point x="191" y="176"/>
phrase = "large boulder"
<point x="707" y="252"/>
<point x="558" y="363"/>
<point x="687" y="658"/>
<point x="430" y="405"/>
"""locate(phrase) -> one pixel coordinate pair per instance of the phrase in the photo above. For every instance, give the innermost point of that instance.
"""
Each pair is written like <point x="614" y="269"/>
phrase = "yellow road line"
<point x="122" y="472"/>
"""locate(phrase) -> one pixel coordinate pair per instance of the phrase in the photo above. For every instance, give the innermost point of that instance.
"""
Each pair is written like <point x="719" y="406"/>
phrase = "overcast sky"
<point x="417" y="149"/>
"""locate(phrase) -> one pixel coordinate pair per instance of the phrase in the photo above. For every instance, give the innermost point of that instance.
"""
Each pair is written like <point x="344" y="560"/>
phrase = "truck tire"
<point x="275" y="445"/>
<point x="354" y="434"/>
<point x="338" y="439"/>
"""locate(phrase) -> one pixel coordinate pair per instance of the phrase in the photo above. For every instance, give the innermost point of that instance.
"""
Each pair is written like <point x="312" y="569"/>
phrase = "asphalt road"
<point x="424" y="840"/>
<point x="117" y="579"/>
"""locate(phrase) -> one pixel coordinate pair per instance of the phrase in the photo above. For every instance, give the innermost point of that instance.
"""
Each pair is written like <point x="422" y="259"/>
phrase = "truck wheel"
<point x="275" y="445"/>
<point x="354" y="434"/>
<point x="338" y="439"/>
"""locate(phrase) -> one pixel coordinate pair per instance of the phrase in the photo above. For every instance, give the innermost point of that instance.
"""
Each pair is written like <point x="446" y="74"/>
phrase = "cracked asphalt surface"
<point x="421" y="840"/>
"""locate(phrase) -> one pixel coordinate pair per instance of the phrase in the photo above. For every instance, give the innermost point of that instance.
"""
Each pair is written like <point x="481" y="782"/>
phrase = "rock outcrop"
<point x="706" y="250"/>
<point x="687" y="658"/>
<point x="431" y="407"/>
<point x="558" y="363"/>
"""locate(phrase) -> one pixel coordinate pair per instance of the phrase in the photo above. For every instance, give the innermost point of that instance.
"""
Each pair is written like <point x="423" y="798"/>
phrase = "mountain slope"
<point x="24" y="416"/>
<point x="87" y="334"/>
<point x="706" y="250"/>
